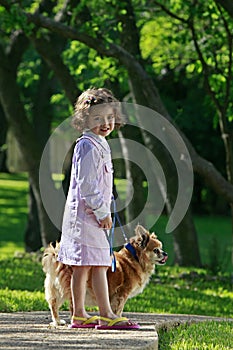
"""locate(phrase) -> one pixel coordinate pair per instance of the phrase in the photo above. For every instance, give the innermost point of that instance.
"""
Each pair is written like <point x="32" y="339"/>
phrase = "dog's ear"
<point x="140" y="230"/>
<point x="153" y="235"/>
<point x="143" y="236"/>
<point x="53" y="244"/>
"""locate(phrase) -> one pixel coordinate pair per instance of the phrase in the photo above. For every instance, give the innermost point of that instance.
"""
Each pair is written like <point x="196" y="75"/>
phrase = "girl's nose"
<point x="104" y="121"/>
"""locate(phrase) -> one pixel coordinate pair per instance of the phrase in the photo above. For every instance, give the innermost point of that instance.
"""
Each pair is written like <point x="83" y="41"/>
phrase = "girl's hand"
<point x="106" y="222"/>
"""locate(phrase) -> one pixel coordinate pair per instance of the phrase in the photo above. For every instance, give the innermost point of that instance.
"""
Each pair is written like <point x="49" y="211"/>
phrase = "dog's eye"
<point x="156" y="251"/>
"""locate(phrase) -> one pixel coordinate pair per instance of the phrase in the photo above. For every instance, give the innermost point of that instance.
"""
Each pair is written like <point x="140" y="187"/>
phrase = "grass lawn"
<point x="171" y="290"/>
<point x="204" y="336"/>
<point x="13" y="216"/>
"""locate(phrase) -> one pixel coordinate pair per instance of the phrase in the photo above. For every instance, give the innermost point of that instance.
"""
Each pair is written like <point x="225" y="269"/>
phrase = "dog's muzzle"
<point x="164" y="258"/>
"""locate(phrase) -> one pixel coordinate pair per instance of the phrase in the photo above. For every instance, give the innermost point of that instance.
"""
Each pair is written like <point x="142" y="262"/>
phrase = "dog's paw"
<point x="62" y="323"/>
<point x="53" y="325"/>
<point x="57" y="323"/>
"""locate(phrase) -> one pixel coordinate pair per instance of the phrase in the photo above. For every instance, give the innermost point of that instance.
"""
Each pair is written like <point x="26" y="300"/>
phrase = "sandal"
<point x="112" y="323"/>
<point x="86" y="322"/>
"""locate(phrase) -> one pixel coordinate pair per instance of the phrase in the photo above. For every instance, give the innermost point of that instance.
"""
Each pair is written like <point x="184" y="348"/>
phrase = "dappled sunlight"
<point x="186" y="291"/>
<point x="18" y="300"/>
<point x="9" y="249"/>
<point x="13" y="202"/>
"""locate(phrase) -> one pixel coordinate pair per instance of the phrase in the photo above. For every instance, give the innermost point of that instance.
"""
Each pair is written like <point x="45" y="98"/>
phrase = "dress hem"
<point x="74" y="263"/>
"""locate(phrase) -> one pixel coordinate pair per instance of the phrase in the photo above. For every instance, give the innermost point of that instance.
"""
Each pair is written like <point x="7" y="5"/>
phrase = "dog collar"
<point x="132" y="250"/>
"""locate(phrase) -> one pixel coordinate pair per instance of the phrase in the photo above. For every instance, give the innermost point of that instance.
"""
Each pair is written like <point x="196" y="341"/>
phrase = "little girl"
<point x="87" y="218"/>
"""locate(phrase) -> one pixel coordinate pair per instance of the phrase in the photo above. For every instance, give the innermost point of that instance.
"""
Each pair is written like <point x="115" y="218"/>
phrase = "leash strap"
<point x="112" y="240"/>
<point x="111" y="236"/>
<point x="117" y="217"/>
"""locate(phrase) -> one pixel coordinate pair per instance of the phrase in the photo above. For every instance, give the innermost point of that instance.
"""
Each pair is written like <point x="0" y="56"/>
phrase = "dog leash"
<point x="110" y="238"/>
<point x="128" y="245"/>
<point x="111" y="235"/>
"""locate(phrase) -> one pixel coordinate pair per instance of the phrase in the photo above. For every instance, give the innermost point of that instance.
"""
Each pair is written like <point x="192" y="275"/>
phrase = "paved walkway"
<point x="27" y="330"/>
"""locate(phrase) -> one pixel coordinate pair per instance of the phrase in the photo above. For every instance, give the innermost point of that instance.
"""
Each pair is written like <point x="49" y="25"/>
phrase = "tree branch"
<point x="229" y="68"/>
<point x="204" y="66"/>
<point x="18" y="44"/>
<point x="170" y="13"/>
<point x="219" y="184"/>
<point x="55" y="62"/>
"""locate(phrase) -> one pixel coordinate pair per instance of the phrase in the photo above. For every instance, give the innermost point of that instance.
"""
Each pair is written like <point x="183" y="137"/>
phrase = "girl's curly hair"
<point x="92" y="97"/>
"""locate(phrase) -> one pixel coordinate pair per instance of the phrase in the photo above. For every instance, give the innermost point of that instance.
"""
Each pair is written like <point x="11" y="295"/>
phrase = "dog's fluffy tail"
<point x="55" y="269"/>
<point x="58" y="275"/>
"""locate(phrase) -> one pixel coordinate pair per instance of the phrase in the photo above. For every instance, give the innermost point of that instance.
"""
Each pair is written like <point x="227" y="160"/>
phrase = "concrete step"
<point x="24" y="330"/>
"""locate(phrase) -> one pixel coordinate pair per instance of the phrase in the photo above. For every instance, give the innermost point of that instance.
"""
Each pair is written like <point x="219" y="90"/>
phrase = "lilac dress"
<point x="83" y="242"/>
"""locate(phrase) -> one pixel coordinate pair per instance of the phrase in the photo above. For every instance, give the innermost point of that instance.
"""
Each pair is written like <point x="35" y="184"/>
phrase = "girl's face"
<point x="101" y="120"/>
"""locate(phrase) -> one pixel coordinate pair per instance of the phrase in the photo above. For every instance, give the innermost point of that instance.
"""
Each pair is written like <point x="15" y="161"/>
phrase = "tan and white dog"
<point x="135" y="263"/>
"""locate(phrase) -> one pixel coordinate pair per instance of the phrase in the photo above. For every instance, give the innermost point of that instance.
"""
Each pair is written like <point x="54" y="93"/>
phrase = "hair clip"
<point x="90" y="101"/>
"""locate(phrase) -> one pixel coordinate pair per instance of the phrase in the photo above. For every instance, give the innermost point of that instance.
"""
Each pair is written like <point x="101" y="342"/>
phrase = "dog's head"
<point x="148" y="247"/>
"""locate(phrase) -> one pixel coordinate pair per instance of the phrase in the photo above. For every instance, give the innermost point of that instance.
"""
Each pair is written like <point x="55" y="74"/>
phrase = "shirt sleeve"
<point x="88" y="173"/>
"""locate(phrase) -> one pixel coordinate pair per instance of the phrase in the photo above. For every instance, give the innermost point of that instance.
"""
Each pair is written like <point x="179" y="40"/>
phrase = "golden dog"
<point x="135" y="264"/>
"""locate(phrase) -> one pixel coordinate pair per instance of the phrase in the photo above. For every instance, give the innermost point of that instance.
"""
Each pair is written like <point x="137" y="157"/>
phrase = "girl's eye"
<point x="97" y="119"/>
<point x="101" y="120"/>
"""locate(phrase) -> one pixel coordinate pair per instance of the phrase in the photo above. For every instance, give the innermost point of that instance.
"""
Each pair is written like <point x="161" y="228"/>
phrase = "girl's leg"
<point x="78" y="290"/>
<point x="100" y="287"/>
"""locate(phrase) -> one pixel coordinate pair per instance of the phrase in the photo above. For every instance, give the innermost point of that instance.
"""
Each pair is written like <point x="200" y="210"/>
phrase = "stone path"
<point x="27" y="330"/>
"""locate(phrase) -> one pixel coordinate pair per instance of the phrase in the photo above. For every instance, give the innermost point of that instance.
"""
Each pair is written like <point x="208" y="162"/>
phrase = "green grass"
<point x="204" y="336"/>
<point x="21" y="284"/>
<point x="171" y="290"/>
<point x="185" y="291"/>
<point x="13" y="218"/>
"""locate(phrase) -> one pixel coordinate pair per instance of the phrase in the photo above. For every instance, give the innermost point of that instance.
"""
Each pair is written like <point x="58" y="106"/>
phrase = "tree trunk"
<point x="25" y="135"/>
<point x="3" y="133"/>
<point x="135" y="195"/>
<point x="42" y="123"/>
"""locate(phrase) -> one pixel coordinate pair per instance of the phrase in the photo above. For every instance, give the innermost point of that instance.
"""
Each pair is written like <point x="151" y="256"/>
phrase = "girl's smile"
<point x="102" y="122"/>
